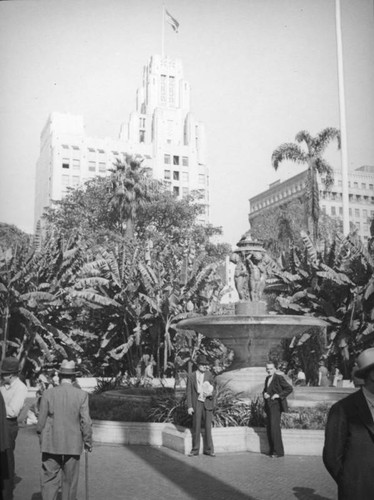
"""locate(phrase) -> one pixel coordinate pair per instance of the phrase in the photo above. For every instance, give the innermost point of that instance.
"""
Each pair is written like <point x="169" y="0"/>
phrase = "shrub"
<point x="306" y="418"/>
<point x="103" y="408"/>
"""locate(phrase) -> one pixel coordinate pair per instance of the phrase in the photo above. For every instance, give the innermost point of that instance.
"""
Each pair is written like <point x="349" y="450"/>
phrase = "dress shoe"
<point x="193" y="453"/>
<point x="209" y="453"/>
<point x="274" y="455"/>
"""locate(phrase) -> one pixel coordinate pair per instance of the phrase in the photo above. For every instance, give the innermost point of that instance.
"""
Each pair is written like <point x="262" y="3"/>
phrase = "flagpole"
<point x="343" y="128"/>
<point x="163" y="32"/>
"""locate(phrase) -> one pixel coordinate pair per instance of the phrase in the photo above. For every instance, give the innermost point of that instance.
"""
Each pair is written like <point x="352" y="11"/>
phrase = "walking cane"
<point x="86" y="472"/>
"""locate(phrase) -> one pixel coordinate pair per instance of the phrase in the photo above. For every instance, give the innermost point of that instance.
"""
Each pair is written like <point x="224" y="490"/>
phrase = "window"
<point x="185" y="161"/>
<point x="176" y="176"/>
<point x="323" y="207"/>
<point x="175" y="160"/>
<point x="167" y="174"/>
<point x="75" y="181"/>
<point x="355" y="185"/>
<point x="357" y="212"/>
<point x="364" y="213"/>
<point x="76" y="148"/>
<point x="167" y="159"/>
<point x="185" y="176"/>
<point x="142" y="122"/>
<point x="340" y="210"/>
<point x="65" y="181"/>
<point x="102" y="167"/>
<point x="65" y="163"/>
<point x="371" y="186"/>
<point x="101" y="151"/>
<point x="76" y="164"/>
<point x="91" y="150"/>
<point x="171" y="90"/>
<point x="176" y="190"/>
<point x="333" y="211"/>
<point x="92" y="166"/>
<point x="163" y="89"/>
<point x="363" y="185"/>
<point x="65" y="146"/>
<point x="201" y="179"/>
<point x="115" y="153"/>
<point x="339" y="183"/>
<point x="141" y="136"/>
<point x="185" y="191"/>
<point x="358" y="225"/>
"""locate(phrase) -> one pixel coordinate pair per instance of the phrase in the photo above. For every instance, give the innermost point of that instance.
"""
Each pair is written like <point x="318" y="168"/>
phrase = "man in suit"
<point x="200" y="404"/>
<point x="14" y="393"/>
<point x="348" y="453"/>
<point x="65" y="428"/>
<point x="275" y="393"/>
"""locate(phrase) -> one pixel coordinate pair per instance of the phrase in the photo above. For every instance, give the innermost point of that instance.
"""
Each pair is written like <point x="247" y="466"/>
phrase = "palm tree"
<point x="316" y="146"/>
<point x="130" y="191"/>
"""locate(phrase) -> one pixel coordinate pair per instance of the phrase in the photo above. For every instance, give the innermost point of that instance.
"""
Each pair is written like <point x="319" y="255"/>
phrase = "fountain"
<point x="251" y="332"/>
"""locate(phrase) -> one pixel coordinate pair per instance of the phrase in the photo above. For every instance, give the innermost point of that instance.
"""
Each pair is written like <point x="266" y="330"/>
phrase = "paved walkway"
<point x="148" y="473"/>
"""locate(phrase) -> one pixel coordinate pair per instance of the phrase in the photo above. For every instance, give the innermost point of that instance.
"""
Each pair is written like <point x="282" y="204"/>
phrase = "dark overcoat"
<point x="280" y="386"/>
<point x="348" y="453"/>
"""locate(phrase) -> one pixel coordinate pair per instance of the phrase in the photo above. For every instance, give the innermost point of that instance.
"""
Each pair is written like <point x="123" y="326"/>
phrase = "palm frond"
<point x="288" y="151"/>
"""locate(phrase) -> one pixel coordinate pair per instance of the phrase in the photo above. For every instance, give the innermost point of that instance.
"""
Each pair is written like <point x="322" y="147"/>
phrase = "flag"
<point x="172" y="21"/>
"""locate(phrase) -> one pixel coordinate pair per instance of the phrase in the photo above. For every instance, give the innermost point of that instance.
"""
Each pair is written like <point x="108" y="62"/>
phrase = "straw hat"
<point x="67" y="368"/>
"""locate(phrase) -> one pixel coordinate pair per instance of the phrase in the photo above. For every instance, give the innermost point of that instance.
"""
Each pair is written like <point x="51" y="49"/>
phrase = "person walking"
<point x="65" y="428"/>
<point x="275" y="394"/>
<point x="200" y="404"/>
<point x="348" y="452"/>
<point x="14" y="393"/>
<point x="6" y="493"/>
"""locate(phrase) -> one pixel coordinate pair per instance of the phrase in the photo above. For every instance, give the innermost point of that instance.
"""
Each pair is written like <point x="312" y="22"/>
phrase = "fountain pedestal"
<point x="251" y="337"/>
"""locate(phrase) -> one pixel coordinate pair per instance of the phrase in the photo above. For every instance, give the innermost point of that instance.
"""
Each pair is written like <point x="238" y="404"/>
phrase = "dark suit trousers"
<point x="202" y="415"/>
<point x="52" y="468"/>
<point x="273" y="413"/>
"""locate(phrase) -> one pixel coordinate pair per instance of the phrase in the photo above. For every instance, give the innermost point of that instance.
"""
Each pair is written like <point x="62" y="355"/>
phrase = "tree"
<point x="131" y="189"/>
<point x="316" y="165"/>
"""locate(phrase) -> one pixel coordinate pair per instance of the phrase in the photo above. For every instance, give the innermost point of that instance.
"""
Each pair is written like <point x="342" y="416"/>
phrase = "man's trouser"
<point x="202" y="414"/>
<point x="59" y="470"/>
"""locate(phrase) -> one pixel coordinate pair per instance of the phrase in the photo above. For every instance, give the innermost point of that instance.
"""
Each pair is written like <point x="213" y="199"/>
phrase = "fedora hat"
<point x="67" y="368"/>
<point x="365" y="362"/>
<point x="201" y="360"/>
<point x="10" y="366"/>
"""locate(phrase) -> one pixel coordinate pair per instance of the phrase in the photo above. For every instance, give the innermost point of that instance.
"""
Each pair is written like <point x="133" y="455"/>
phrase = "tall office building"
<point x="361" y="197"/>
<point x="162" y="130"/>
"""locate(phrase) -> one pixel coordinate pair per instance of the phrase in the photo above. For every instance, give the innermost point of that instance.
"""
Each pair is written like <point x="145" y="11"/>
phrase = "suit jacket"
<point x="192" y="394"/>
<point x="348" y="452"/>
<point x="280" y="386"/>
<point x="64" y="421"/>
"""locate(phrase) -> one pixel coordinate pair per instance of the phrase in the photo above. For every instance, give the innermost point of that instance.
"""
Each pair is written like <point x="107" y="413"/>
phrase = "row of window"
<point x="357" y="212"/>
<point x="183" y="176"/>
<point x="353" y="198"/>
<point x="357" y="185"/>
<point x="175" y="160"/>
<point x="70" y="181"/>
<point x="75" y="164"/>
<point x="279" y="196"/>
<point x="92" y="150"/>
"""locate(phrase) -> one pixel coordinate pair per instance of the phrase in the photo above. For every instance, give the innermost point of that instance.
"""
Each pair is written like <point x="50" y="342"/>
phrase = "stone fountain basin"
<point x="251" y="337"/>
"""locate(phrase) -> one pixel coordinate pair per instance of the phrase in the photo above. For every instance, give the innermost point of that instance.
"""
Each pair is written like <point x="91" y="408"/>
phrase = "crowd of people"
<point x="64" y="425"/>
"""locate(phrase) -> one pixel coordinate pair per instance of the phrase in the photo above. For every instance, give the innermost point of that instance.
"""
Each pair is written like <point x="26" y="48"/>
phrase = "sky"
<point x="260" y="71"/>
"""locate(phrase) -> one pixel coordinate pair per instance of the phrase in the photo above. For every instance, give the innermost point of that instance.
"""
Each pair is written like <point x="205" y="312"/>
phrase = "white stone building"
<point x="162" y="130"/>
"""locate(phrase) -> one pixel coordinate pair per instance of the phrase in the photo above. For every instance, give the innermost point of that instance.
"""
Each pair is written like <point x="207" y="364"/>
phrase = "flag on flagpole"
<point x="172" y="21"/>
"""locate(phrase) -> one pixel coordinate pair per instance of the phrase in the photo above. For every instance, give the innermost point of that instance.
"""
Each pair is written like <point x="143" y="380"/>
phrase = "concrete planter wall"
<point x="226" y="439"/>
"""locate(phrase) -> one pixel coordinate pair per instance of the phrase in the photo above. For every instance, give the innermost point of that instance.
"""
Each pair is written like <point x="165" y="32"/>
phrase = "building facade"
<point x="162" y="130"/>
<point x="361" y="197"/>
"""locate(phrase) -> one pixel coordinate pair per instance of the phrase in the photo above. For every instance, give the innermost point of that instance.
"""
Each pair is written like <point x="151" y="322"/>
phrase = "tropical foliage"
<point x="335" y="283"/>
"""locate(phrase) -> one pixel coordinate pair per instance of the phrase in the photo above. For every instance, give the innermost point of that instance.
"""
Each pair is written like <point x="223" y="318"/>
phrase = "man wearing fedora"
<point x="200" y="404"/>
<point x="348" y="453"/>
<point x="14" y="393"/>
<point x="65" y="428"/>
